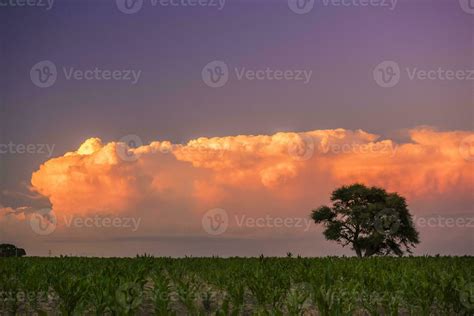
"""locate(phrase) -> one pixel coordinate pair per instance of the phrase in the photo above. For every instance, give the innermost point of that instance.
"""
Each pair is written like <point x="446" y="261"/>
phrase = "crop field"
<point x="237" y="286"/>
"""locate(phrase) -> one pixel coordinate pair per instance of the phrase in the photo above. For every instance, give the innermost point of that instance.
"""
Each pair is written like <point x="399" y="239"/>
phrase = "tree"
<point x="7" y="250"/>
<point x="371" y="220"/>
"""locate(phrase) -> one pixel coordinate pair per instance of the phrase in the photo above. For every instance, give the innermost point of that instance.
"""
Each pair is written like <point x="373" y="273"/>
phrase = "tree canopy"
<point x="8" y="250"/>
<point x="369" y="219"/>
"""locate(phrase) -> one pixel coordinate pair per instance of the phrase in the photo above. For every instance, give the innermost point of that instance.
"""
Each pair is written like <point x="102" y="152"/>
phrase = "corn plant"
<point x="237" y="286"/>
<point x="161" y="293"/>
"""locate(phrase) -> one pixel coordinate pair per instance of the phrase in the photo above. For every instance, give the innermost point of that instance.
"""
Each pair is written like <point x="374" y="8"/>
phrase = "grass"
<point x="237" y="286"/>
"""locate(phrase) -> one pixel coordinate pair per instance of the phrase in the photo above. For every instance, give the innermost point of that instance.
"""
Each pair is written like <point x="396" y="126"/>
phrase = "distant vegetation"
<point x="7" y="250"/>
<point x="238" y="286"/>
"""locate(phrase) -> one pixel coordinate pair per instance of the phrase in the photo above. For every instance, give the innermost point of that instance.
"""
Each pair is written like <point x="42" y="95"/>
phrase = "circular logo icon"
<point x="467" y="6"/>
<point x="129" y="295"/>
<point x="387" y="74"/>
<point x="387" y="222"/>
<point x="43" y="222"/>
<point x="301" y="6"/>
<point x="165" y="149"/>
<point x="301" y="148"/>
<point x="44" y="74"/>
<point x="126" y="145"/>
<point x="467" y="296"/>
<point x="466" y="148"/>
<point x="215" y="74"/>
<point x="129" y="6"/>
<point x="215" y="221"/>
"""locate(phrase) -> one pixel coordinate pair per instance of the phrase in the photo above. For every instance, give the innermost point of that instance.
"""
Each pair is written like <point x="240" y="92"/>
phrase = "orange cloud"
<point x="433" y="163"/>
<point x="97" y="178"/>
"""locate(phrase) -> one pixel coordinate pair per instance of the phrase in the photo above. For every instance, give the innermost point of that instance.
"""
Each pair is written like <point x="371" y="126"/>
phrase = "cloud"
<point x="96" y="179"/>
<point x="170" y="186"/>
<point x="432" y="164"/>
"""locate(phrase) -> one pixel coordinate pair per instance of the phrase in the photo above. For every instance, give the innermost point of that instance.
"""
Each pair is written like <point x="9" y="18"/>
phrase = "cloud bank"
<point x="170" y="186"/>
<point x="115" y="178"/>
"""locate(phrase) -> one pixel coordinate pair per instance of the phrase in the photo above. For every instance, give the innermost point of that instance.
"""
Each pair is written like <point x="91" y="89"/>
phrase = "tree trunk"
<point x="358" y="251"/>
<point x="356" y="242"/>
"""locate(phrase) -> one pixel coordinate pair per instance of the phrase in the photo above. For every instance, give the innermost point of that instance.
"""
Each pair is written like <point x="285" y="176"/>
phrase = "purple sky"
<point x="341" y="45"/>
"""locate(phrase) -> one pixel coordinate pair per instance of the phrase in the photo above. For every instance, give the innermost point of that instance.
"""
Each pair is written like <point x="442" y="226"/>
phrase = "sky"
<point x="215" y="128"/>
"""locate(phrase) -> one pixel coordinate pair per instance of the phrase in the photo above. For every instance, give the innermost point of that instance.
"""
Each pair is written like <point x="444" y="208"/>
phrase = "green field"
<point x="237" y="286"/>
